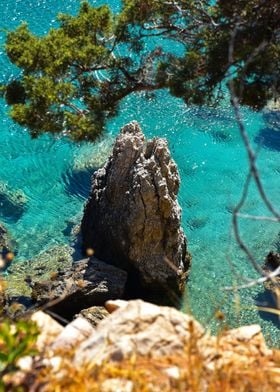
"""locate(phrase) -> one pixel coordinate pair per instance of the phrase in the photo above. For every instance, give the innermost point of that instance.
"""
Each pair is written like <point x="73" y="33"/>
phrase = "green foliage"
<point x="17" y="340"/>
<point x="74" y="78"/>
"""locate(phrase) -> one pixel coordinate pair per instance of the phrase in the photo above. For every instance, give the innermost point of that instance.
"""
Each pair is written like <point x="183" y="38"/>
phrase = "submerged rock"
<point x="4" y="240"/>
<point x="45" y="266"/>
<point x="93" y="156"/>
<point x="13" y="201"/>
<point x="272" y="262"/>
<point x="132" y="218"/>
<point x="6" y="245"/>
<point x="89" y="282"/>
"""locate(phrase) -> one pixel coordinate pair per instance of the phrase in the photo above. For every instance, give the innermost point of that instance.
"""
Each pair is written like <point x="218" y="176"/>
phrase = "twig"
<point x="253" y="174"/>
<point x="254" y="282"/>
<point x="259" y="218"/>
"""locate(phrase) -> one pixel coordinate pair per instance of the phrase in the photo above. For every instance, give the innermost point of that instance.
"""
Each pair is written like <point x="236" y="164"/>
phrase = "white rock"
<point x="173" y="372"/>
<point x="73" y="334"/>
<point x="25" y="364"/>
<point x="245" y="333"/>
<point x="117" y="385"/>
<point x="113" y="305"/>
<point x="49" y="329"/>
<point x="138" y="328"/>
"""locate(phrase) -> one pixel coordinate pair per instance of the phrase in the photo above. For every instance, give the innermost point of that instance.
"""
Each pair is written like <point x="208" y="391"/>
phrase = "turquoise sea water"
<point x="212" y="162"/>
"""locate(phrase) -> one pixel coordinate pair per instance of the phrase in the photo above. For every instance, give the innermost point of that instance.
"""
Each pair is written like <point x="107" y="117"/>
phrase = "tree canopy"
<point x="74" y="78"/>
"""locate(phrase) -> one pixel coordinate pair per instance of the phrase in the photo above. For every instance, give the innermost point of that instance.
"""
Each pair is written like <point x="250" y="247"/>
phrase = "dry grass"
<point x="210" y="366"/>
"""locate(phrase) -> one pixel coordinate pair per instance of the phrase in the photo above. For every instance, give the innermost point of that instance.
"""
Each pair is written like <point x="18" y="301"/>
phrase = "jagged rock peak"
<point x="132" y="218"/>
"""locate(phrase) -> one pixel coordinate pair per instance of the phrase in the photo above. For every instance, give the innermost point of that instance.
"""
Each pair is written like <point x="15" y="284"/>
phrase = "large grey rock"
<point x="88" y="282"/>
<point x="140" y="329"/>
<point x="73" y="334"/>
<point x="49" y="329"/>
<point x="132" y="218"/>
<point x="143" y="329"/>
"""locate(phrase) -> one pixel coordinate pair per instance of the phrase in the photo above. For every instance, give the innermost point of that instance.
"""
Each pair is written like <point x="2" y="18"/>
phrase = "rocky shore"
<point x="91" y="327"/>
<point x="131" y="228"/>
<point x="138" y="346"/>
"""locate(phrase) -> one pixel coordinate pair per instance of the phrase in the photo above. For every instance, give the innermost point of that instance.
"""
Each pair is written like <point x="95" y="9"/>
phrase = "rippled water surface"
<point x="47" y="180"/>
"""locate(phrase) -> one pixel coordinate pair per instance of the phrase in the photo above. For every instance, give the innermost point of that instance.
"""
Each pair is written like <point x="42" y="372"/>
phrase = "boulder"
<point x="49" y="329"/>
<point x="89" y="282"/>
<point x="139" y="328"/>
<point x="13" y="201"/>
<point x="133" y="220"/>
<point x="117" y="385"/>
<point x="73" y="334"/>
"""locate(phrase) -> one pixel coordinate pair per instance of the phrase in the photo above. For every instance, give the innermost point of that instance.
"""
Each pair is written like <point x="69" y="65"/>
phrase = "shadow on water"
<point x="272" y="119"/>
<point x="268" y="299"/>
<point x="78" y="182"/>
<point x="10" y="211"/>
<point x="269" y="138"/>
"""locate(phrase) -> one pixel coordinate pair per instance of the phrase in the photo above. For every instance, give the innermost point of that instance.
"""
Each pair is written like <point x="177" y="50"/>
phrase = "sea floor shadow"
<point x="268" y="299"/>
<point x="269" y="138"/>
<point x="272" y="119"/>
<point x="78" y="182"/>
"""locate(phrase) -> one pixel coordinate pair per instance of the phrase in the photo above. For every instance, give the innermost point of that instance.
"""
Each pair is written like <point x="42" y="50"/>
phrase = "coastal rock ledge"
<point x="133" y="220"/>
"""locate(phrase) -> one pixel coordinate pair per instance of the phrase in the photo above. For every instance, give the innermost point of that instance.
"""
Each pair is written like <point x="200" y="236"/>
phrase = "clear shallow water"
<point x="212" y="163"/>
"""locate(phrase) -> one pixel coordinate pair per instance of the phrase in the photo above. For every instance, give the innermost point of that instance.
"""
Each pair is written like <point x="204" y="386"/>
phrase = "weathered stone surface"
<point x="88" y="282"/>
<point x="44" y="267"/>
<point x="112" y="306"/>
<point x="143" y="329"/>
<point x="139" y="328"/>
<point x="49" y="329"/>
<point x="3" y="238"/>
<point x="73" y="334"/>
<point x="6" y="255"/>
<point x="117" y="385"/>
<point x="132" y="218"/>
<point x="94" y="314"/>
<point x="240" y="345"/>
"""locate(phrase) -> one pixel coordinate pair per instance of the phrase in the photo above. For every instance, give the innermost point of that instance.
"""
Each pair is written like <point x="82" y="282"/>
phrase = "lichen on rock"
<point x="88" y="282"/>
<point x="132" y="218"/>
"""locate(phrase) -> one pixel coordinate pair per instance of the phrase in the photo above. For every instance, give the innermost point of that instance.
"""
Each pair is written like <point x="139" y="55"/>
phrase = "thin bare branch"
<point x="255" y="282"/>
<point x="252" y="175"/>
<point x="259" y="218"/>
